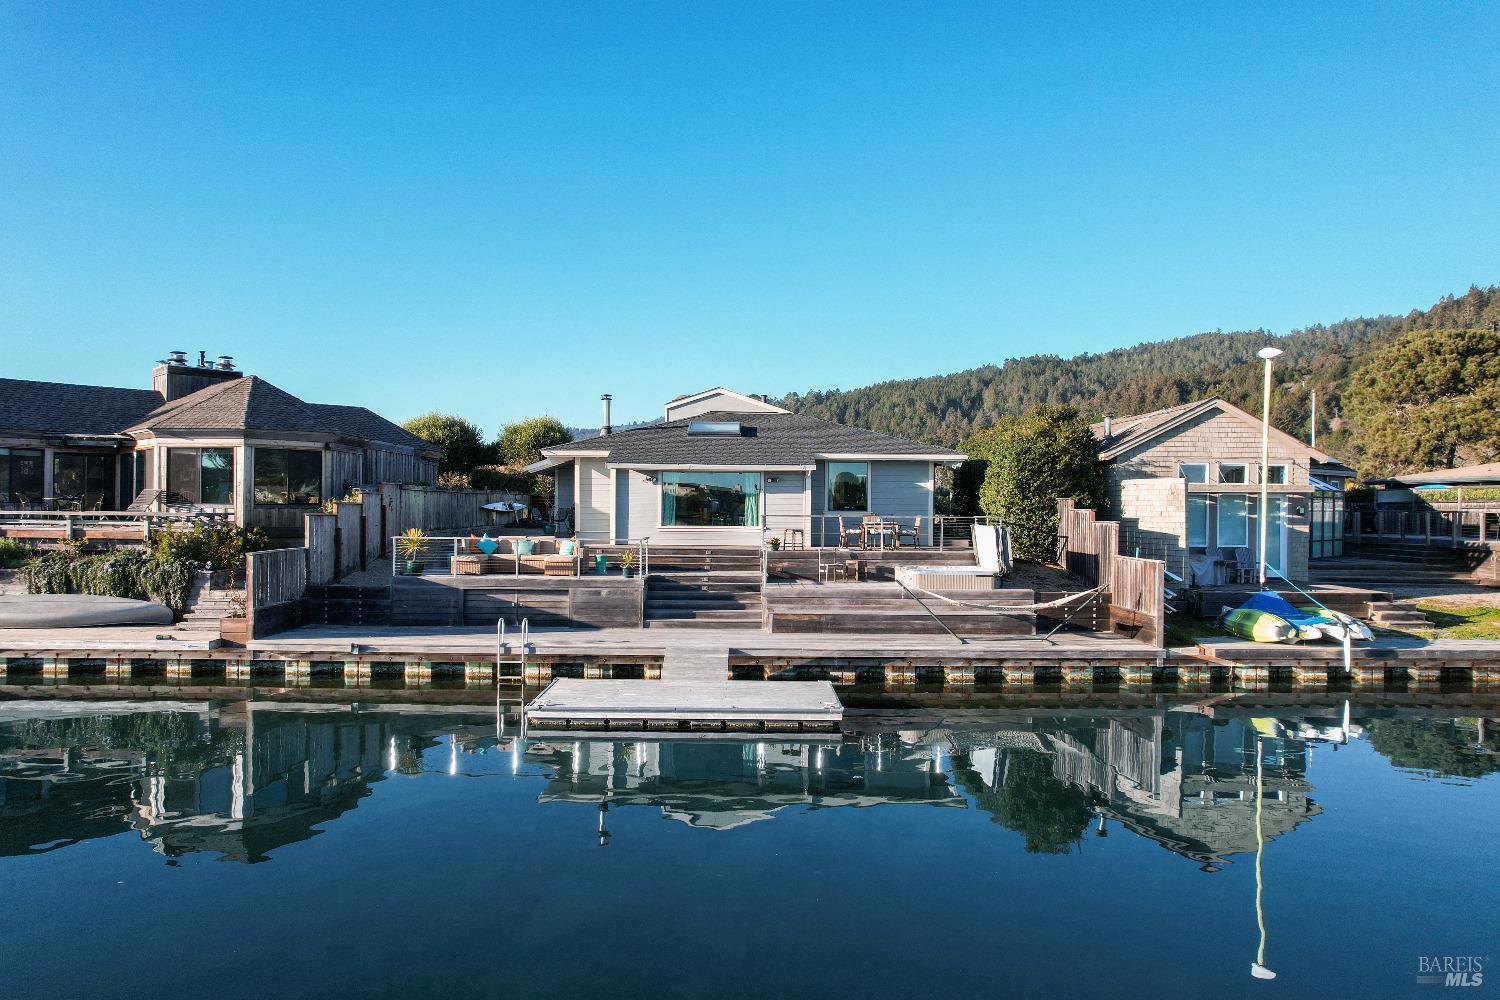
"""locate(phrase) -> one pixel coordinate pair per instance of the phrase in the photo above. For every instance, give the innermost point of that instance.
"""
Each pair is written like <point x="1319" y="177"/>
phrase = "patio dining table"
<point x="874" y="534"/>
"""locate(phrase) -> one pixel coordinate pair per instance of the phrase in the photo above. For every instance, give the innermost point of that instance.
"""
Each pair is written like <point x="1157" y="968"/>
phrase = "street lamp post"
<point x="1266" y="354"/>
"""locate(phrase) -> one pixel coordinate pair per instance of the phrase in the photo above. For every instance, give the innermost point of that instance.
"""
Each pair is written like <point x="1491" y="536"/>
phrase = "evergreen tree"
<point x="1431" y="399"/>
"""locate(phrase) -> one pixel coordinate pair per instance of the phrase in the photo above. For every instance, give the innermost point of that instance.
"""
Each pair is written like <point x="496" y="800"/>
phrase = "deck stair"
<point x="881" y="608"/>
<point x="717" y="599"/>
<point x="341" y="605"/>
<point x="1409" y="564"/>
<point x="1389" y="614"/>
<point x="205" y="607"/>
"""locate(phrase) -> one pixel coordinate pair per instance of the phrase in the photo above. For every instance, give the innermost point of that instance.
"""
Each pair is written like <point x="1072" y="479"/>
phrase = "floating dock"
<point x="644" y="706"/>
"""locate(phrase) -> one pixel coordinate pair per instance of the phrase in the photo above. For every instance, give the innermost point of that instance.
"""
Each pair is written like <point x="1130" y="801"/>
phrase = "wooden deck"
<point x="462" y="643"/>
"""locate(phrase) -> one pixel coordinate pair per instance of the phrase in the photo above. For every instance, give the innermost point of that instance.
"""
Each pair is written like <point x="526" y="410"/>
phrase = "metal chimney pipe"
<point x="1108" y="427"/>
<point x="605" y="401"/>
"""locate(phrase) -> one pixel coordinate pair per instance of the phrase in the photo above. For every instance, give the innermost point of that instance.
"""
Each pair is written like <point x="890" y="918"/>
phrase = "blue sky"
<point x="504" y="210"/>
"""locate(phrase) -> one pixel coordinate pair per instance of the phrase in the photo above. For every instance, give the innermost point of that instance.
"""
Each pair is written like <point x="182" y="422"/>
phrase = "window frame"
<point x="1219" y="468"/>
<point x="1232" y="499"/>
<point x="1182" y="472"/>
<point x="828" y="476"/>
<point x="662" y="481"/>
<point x="1201" y="503"/>
<point x="255" y="478"/>
<point x="196" y="495"/>
<point x="7" y="486"/>
<point x="1286" y="470"/>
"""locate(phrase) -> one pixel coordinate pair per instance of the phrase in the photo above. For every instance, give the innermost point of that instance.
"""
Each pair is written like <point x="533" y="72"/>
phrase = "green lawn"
<point x="1460" y="621"/>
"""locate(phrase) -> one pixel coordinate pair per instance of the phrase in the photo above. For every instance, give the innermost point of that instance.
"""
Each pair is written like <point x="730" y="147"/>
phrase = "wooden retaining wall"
<point x="547" y="602"/>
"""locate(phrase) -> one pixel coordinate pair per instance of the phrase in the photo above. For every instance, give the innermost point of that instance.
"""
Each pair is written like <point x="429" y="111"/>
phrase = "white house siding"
<point x="594" y="499"/>
<point x="785" y="502"/>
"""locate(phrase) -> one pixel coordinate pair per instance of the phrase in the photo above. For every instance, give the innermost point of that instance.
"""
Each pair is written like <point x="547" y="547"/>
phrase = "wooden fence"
<point x="275" y="580"/>
<point x="1135" y="588"/>
<point x="433" y="509"/>
<point x="1086" y="547"/>
<point x="320" y="538"/>
<point x="1137" y="598"/>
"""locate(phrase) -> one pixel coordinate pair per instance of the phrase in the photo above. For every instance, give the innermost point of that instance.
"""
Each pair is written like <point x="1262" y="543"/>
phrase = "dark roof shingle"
<point x="765" y="439"/>
<point x="63" y="408"/>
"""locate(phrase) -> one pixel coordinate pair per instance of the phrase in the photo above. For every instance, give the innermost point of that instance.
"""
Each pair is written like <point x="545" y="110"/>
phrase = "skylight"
<point x="715" y="428"/>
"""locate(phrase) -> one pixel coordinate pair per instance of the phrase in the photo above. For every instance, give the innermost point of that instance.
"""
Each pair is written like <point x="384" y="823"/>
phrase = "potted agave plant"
<point x="627" y="564"/>
<point x="410" y="546"/>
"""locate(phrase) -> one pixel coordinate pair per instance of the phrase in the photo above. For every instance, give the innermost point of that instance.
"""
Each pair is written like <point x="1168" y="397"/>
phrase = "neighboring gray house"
<point x="208" y="434"/>
<point x="1185" y="482"/>
<point x="723" y="468"/>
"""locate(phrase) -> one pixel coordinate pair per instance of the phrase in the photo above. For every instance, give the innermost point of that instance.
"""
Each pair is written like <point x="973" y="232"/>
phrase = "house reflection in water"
<point x="1184" y="780"/>
<point x="721" y="786"/>
<point x="236" y="784"/>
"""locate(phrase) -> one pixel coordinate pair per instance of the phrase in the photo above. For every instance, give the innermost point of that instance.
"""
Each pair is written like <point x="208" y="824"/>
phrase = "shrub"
<point x="13" y="553"/>
<point x="130" y="574"/>
<point x="1031" y="461"/>
<point x="221" y="546"/>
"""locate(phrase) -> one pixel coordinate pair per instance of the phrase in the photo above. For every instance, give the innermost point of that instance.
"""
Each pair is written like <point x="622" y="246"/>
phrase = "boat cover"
<point x="78" y="610"/>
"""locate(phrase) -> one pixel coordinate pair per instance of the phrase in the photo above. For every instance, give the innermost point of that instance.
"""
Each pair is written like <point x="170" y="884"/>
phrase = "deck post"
<point x="418" y="674"/>
<point x="356" y="673"/>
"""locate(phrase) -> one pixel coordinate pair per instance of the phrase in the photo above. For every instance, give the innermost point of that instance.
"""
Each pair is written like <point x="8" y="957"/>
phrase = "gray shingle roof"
<point x="46" y="408"/>
<point x="357" y="421"/>
<point x="766" y="439"/>
<point x="248" y="403"/>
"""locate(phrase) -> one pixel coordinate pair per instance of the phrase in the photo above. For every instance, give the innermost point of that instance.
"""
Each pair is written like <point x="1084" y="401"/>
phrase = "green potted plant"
<point x="774" y="542"/>
<point x="627" y="564"/>
<point x="410" y="546"/>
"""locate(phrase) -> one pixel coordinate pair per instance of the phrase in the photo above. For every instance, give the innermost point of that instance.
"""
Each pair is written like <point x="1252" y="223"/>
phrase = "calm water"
<point x="185" y="850"/>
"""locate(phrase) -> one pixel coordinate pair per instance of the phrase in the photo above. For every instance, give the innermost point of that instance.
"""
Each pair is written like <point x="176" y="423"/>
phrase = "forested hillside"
<point x="944" y="409"/>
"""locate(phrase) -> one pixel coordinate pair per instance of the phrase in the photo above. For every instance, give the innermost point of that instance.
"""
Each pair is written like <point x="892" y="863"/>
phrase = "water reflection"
<point x="239" y="782"/>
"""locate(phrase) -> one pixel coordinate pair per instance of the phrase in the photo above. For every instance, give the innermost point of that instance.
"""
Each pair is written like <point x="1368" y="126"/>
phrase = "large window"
<point x="21" y="475"/>
<point x="710" y="499"/>
<point x="1197" y="521"/>
<point x="288" y="476"/>
<point x="202" y="475"/>
<point x="1276" y="475"/>
<point x="1233" y="521"/>
<point x="86" y="480"/>
<point x="848" y="486"/>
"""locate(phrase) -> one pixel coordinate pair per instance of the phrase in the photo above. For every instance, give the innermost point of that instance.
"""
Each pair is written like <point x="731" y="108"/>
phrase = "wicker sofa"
<point x="544" y="558"/>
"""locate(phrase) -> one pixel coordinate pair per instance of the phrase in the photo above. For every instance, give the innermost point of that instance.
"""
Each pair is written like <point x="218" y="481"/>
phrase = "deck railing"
<point x="1428" y="527"/>
<point x="873" y="531"/>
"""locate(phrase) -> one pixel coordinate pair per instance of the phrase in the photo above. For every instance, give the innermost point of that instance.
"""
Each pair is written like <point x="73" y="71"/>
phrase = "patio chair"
<point x="1244" y="569"/>
<point x="850" y="534"/>
<point x="914" y="533"/>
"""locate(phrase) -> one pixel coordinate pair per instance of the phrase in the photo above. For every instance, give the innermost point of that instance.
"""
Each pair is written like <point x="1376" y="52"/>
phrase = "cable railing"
<point x="874" y="530"/>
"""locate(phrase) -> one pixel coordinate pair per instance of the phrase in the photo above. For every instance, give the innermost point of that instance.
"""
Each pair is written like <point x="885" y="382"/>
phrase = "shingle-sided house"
<point x="1185" y="484"/>
<point x="212" y="436"/>
<point x="723" y="468"/>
